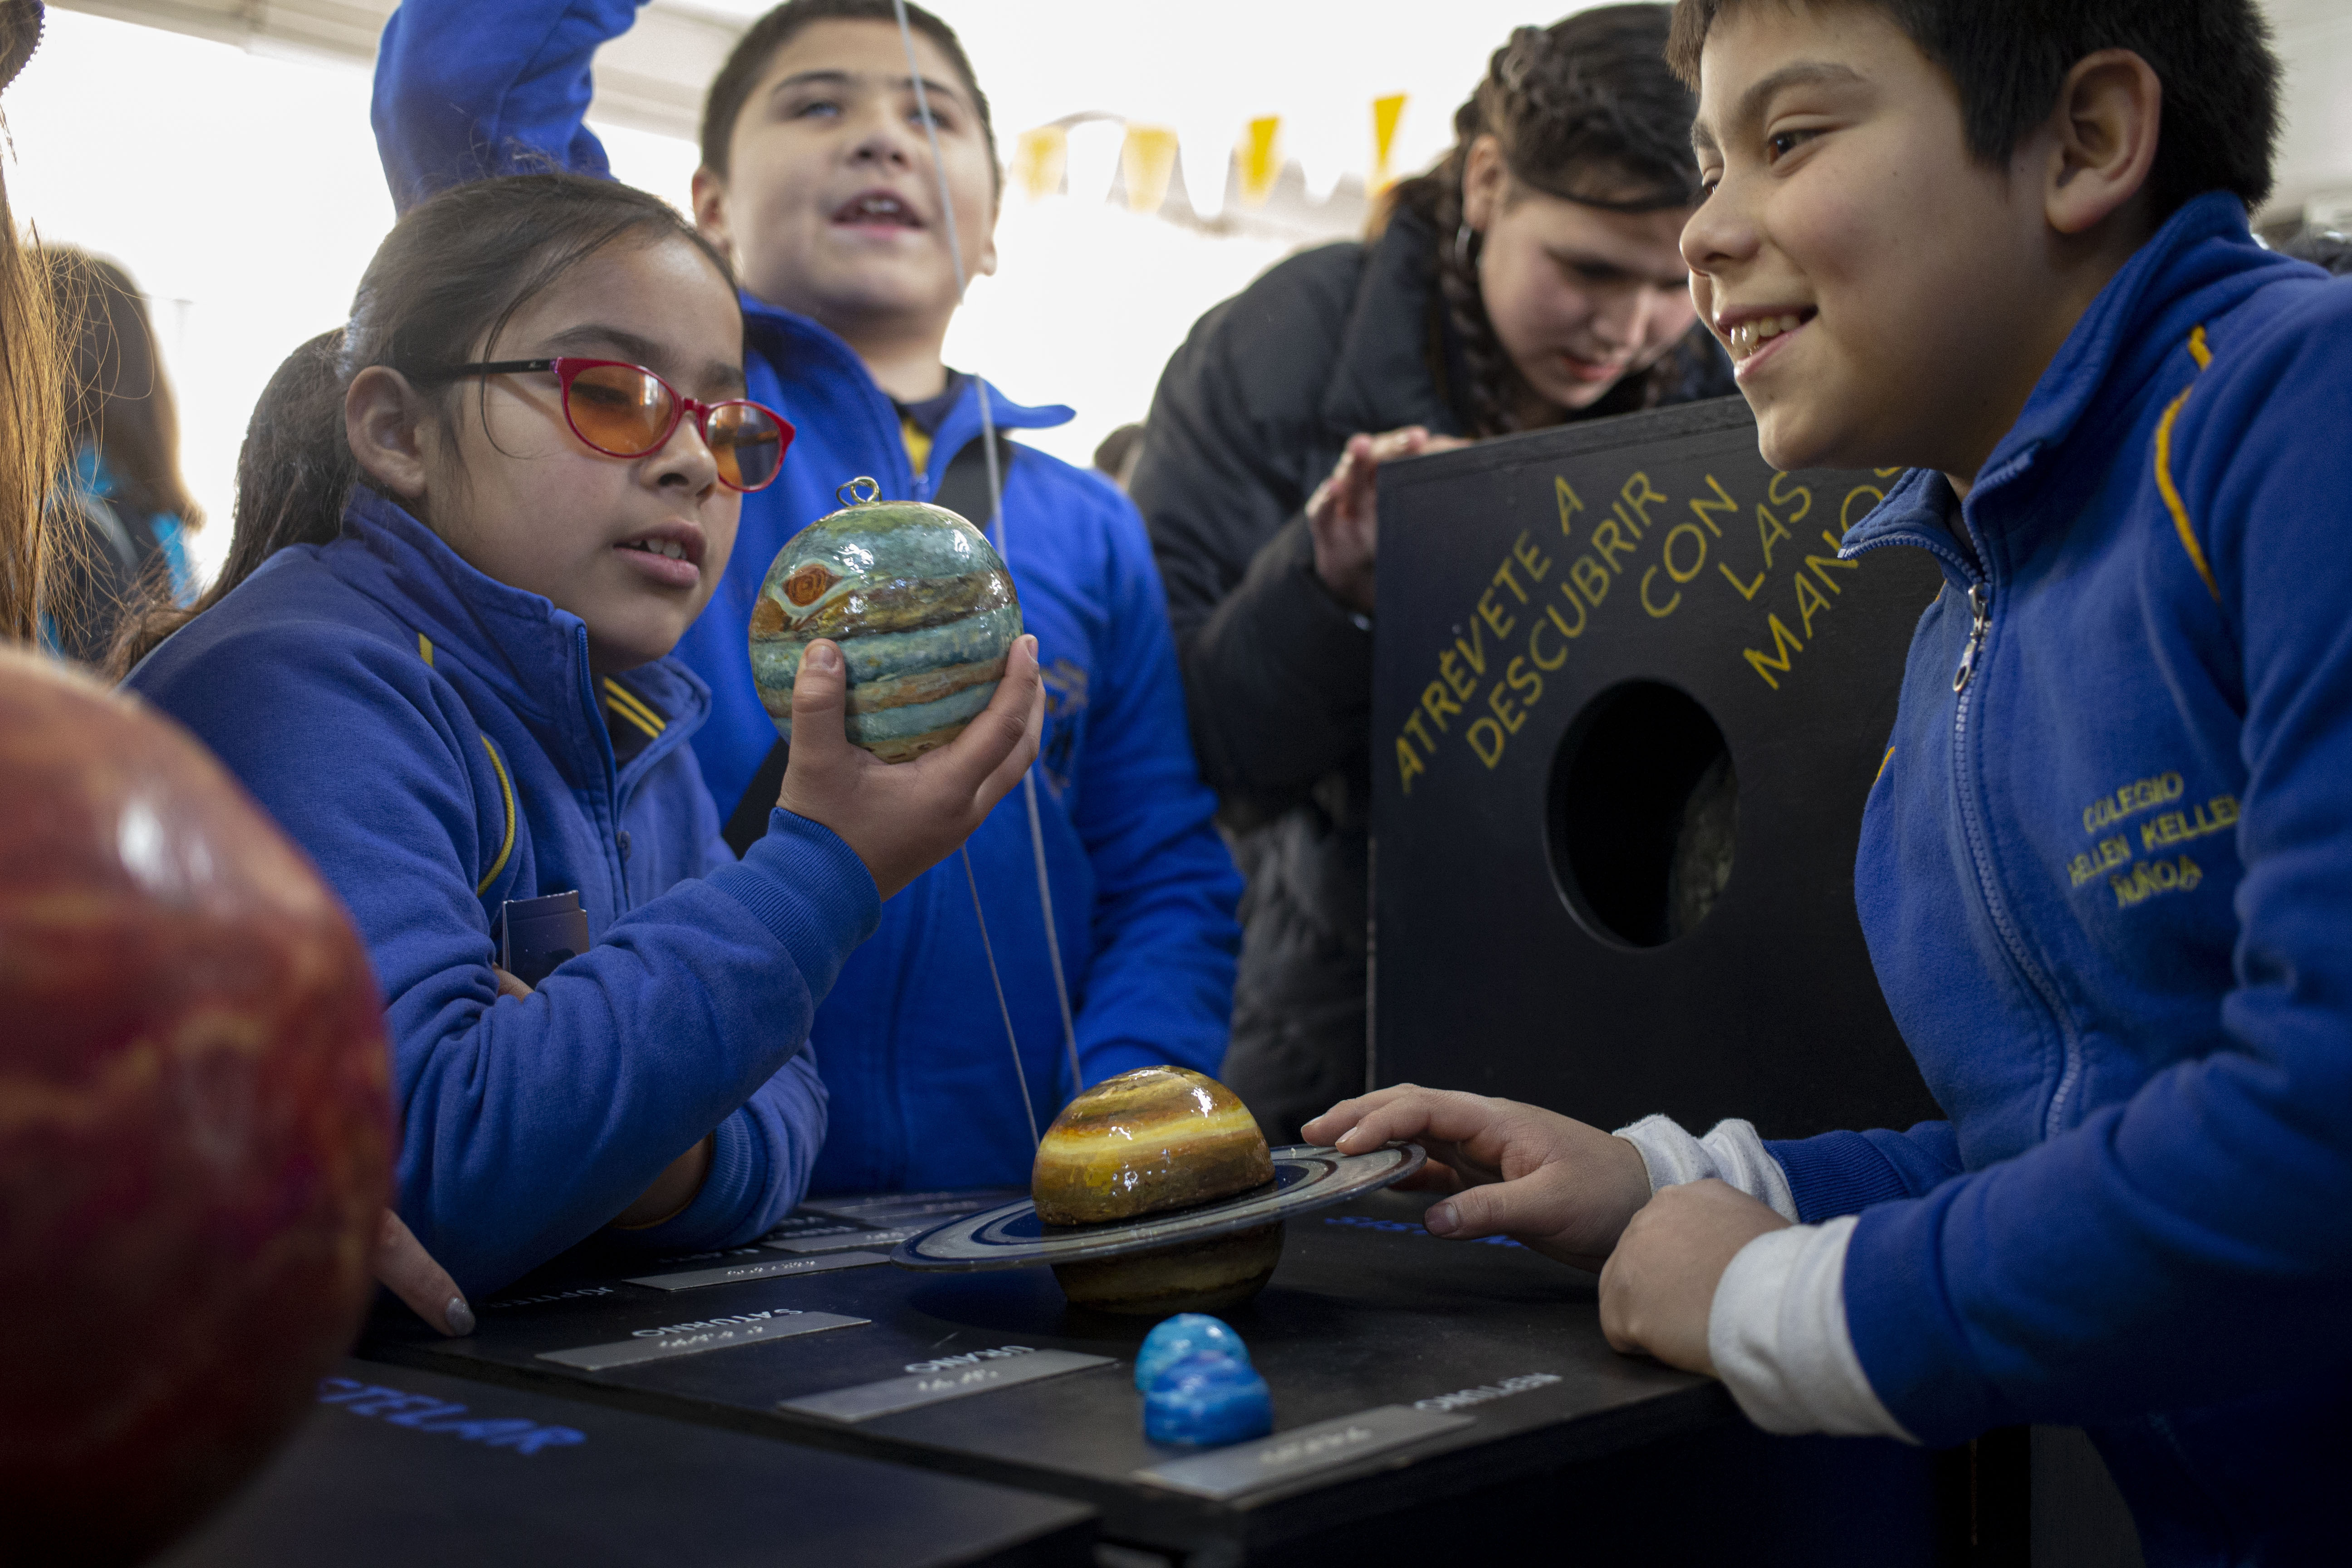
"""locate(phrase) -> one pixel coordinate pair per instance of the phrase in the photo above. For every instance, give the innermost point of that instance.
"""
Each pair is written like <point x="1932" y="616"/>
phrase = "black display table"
<point x="405" y="1469"/>
<point x="1507" y="1420"/>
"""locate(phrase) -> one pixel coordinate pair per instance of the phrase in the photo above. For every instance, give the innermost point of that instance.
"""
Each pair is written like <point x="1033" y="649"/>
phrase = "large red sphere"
<point x="195" y="1131"/>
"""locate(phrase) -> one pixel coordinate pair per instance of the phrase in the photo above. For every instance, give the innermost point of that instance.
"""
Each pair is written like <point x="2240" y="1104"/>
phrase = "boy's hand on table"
<point x="1563" y="1188"/>
<point x="902" y="818"/>
<point x="1659" y="1286"/>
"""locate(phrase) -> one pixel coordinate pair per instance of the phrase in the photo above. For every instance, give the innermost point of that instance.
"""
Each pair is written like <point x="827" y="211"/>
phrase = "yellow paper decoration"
<point x="1146" y="161"/>
<point x="1386" y="112"/>
<point x="1260" y="167"/>
<point x="1040" y="158"/>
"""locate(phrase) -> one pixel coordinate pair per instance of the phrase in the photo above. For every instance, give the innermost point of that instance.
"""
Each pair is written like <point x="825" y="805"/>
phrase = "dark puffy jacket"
<point x="1250" y="416"/>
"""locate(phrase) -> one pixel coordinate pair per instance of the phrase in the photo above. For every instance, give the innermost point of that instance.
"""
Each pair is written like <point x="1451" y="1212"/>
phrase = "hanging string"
<point x="996" y="523"/>
<point x="1053" y="941"/>
<point x="1028" y="1106"/>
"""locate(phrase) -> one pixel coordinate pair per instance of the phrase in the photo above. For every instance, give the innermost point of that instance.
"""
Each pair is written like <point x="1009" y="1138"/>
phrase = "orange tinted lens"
<point x="748" y="443"/>
<point x="619" y="409"/>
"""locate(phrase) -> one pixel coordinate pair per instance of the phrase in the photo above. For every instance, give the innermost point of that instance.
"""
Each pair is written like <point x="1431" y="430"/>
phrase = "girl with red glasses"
<point x="470" y="527"/>
<point x="851" y="210"/>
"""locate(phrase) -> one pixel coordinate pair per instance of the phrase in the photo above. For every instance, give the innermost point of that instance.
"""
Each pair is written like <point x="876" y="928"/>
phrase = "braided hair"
<point x="1585" y="110"/>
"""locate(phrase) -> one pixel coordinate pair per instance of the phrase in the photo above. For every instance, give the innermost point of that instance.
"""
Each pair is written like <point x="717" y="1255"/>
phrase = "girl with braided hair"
<point x="1532" y="277"/>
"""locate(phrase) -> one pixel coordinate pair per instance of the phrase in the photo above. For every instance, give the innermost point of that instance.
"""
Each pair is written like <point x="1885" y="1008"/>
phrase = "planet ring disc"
<point x="1012" y="1237"/>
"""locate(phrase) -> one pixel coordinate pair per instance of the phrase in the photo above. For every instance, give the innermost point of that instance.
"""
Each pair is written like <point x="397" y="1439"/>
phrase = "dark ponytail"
<point x="447" y="278"/>
<point x="1585" y="110"/>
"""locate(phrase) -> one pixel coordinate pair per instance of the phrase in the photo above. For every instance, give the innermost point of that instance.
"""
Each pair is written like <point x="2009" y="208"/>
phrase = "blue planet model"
<point x="1205" y="1401"/>
<point x="920" y="605"/>
<point x="1172" y="1340"/>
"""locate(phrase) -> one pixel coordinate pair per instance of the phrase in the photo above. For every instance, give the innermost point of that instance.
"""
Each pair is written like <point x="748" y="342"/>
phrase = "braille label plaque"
<point x="1288" y="1456"/>
<point x="845" y="1241"/>
<point x="868" y="1400"/>
<point x="693" y="1338"/>
<point x="695" y="1279"/>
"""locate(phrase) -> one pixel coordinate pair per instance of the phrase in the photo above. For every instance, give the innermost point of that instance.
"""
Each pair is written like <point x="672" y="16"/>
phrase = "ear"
<point x="390" y="430"/>
<point x="709" y="190"/>
<point x="2102" y="140"/>
<point x="988" y="243"/>
<point x="1485" y="176"/>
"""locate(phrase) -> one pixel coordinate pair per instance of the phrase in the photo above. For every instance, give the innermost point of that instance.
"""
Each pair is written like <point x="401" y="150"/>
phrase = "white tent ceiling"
<point x="248" y="223"/>
<point x="1204" y="67"/>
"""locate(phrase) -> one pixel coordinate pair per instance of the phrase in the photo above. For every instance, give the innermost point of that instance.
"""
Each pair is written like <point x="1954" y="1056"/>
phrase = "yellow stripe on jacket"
<point x="633" y="707"/>
<point x="2164" y="485"/>
<point x="506" y="787"/>
<point x="506" y="847"/>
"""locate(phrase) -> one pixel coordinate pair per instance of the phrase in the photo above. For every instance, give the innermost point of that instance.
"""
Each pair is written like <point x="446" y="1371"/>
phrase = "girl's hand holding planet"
<point x="902" y="818"/>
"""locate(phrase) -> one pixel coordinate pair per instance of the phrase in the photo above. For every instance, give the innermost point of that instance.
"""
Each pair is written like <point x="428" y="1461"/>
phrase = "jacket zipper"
<point x="1988" y="885"/>
<point x="1973" y="814"/>
<point x="1981" y="615"/>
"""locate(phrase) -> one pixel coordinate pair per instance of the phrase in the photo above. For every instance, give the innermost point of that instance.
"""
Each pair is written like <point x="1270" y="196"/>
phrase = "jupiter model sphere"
<point x="920" y="605"/>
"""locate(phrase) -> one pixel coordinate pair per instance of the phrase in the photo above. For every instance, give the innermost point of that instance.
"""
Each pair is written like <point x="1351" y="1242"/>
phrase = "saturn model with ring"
<point x="1169" y="1197"/>
<point x="1012" y="1237"/>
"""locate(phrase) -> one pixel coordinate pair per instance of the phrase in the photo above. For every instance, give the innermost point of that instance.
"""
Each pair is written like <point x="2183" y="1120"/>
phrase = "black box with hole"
<point x="1627" y="706"/>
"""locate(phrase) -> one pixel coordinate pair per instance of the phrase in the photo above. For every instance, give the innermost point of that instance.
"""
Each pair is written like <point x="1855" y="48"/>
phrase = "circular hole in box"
<point x="1640" y="812"/>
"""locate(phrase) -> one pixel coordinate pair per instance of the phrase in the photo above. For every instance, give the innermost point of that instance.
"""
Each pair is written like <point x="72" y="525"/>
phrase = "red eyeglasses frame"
<point x="568" y="369"/>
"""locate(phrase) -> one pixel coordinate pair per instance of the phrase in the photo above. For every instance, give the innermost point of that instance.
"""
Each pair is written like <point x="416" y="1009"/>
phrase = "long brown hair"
<point x="450" y="275"/>
<point x="1585" y="110"/>
<point x="118" y="401"/>
<point x="31" y="434"/>
<point x="32" y="426"/>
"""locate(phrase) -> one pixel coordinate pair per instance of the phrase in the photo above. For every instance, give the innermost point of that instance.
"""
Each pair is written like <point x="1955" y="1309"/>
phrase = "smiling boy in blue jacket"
<point x="2104" y="870"/>
<point x="817" y="179"/>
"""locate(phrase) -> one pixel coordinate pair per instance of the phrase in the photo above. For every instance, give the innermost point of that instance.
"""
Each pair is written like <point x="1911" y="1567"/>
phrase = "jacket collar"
<point x="962" y="426"/>
<point x="2200" y="264"/>
<point x="1380" y="379"/>
<point x="532" y="655"/>
<point x="811" y="358"/>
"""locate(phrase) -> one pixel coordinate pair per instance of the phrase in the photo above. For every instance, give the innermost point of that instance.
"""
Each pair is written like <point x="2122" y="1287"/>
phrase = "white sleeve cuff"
<point x="1732" y="1153"/>
<point x="1778" y="1336"/>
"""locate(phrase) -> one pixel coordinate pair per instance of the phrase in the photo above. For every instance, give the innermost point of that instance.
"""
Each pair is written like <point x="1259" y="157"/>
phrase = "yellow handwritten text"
<point x="2149" y="878"/>
<point x="2133" y="798"/>
<point x="2111" y="852"/>
<point x="2216" y="815"/>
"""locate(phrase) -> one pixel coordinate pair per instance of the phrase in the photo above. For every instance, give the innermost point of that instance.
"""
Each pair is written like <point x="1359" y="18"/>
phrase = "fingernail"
<point x="1441" y="1220"/>
<point x="458" y="1316"/>
<point x="824" y="657"/>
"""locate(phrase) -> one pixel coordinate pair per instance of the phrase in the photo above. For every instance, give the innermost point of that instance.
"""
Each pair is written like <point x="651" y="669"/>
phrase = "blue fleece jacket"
<point x="1143" y="889"/>
<point x="2105" y="884"/>
<point x="436" y="742"/>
